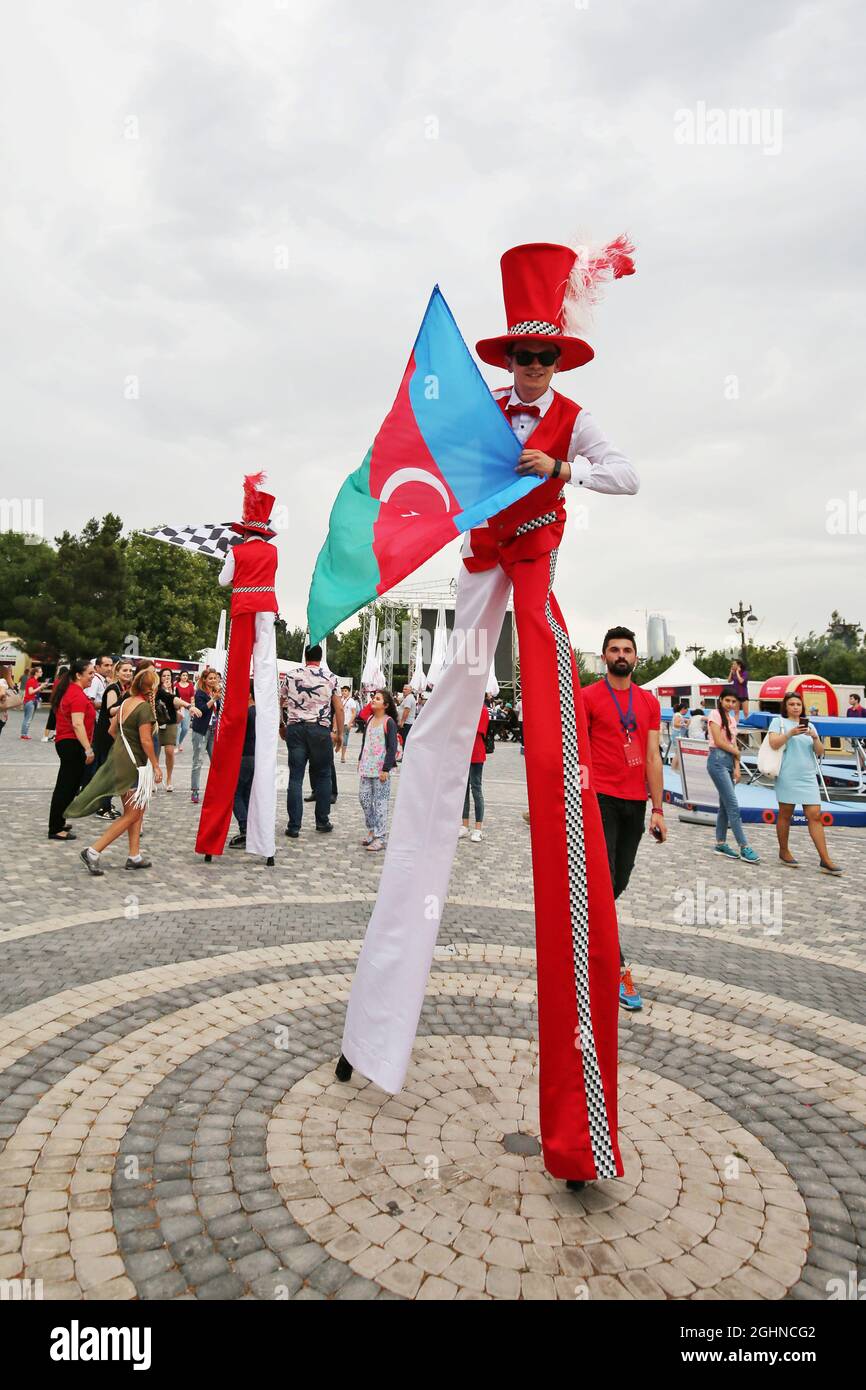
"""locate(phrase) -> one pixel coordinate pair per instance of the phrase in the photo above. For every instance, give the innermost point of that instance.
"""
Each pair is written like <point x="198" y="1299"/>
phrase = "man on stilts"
<point x="250" y="567"/>
<point x="548" y="290"/>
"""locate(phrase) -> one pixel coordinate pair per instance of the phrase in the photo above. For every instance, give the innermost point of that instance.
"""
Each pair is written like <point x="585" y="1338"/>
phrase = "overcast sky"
<point x="237" y="210"/>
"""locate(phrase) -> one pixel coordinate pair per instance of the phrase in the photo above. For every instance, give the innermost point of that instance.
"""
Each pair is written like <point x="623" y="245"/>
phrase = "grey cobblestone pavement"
<point x="170" y="1126"/>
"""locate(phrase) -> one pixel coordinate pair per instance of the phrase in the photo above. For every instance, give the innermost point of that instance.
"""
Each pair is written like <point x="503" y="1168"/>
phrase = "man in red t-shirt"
<point x="624" y="722"/>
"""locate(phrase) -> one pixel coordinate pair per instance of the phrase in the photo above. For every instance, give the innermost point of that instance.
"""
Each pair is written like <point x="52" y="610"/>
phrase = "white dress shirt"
<point x="595" y="463"/>
<point x="227" y="573"/>
<point x="96" y="690"/>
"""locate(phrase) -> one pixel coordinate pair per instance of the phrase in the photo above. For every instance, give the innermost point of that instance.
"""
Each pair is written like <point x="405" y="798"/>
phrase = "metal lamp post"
<point x="739" y="617"/>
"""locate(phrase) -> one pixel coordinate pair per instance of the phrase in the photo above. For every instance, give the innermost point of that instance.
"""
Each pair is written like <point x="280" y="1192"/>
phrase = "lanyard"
<point x="627" y="720"/>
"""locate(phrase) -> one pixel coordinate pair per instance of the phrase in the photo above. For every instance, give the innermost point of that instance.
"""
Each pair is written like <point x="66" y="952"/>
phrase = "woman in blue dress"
<point x="797" y="782"/>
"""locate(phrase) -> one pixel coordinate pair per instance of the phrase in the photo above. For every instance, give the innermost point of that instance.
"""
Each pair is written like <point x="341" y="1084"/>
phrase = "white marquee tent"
<point x="684" y="674"/>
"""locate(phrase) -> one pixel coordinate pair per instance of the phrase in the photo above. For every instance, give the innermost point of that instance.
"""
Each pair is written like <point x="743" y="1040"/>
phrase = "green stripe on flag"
<point x="347" y="571"/>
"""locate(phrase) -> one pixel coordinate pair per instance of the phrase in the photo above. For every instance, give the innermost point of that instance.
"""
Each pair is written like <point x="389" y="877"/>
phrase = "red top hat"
<point x="549" y="292"/>
<point x="257" y="509"/>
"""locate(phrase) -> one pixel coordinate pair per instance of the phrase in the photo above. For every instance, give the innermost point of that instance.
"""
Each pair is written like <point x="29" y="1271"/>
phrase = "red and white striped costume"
<point x="575" y="920"/>
<point x="251" y="568"/>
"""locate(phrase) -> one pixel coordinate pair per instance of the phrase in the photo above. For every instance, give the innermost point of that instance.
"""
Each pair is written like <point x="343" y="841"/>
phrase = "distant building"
<point x="659" y="642"/>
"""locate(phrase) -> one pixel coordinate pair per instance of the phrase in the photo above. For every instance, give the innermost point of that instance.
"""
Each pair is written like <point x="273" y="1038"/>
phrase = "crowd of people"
<point x="109" y="720"/>
<point x="115" y="722"/>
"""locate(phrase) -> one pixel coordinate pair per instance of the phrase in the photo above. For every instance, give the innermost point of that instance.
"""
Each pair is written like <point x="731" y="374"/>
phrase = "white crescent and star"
<point x="413" y="475"/>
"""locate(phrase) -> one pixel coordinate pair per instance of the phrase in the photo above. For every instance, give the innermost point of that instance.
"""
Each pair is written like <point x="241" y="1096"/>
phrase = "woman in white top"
<point x="797" y="780"/>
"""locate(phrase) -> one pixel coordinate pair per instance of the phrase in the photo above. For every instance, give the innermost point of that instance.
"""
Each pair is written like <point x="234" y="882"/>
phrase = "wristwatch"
<point x="557" y="468"/>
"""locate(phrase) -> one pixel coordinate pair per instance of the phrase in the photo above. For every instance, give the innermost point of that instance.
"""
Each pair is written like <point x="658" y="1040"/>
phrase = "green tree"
<point x="586" y="676"/>
<point x="344" y="654"/>
<point x="290" y="641"/>
<point x="27" y="572"/>
<point x="849" y="634"/>
<point x="648" y="667"/>
<point x="80" y="612"/>
<point x="173" y="601"/>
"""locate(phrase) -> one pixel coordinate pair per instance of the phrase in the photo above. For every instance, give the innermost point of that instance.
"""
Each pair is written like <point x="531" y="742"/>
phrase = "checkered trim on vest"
<point x="536" y="326"/>
<point x="256" y="525"/>
<point x="535" y="523"/>
<point x="599" y="1128"/>
<point x="254" y="589"/>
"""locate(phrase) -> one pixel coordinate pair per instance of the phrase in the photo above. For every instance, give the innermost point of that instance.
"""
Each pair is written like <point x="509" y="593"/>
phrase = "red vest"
<point x="499" y="542"/>
<point x="255" y="571"/>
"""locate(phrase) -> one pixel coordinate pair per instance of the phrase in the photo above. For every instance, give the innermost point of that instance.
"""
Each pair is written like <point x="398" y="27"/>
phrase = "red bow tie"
<point x="522" y="409"/>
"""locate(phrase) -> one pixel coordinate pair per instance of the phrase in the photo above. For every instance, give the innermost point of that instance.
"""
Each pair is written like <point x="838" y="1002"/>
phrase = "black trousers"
<point x="623" y="825"/>
<point x="242" y="793"/>
<point x="70" y="776"/>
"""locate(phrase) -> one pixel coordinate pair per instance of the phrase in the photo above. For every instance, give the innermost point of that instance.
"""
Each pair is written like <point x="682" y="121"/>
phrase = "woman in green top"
<point x="130" y="771"/>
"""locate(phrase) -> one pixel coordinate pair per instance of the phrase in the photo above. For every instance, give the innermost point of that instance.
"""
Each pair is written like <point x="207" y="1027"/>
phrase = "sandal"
<point x="63" y="835"/>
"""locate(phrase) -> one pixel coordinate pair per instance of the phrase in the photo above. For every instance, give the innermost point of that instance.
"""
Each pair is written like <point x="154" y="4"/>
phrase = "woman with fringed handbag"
<point x="131" y="772"/>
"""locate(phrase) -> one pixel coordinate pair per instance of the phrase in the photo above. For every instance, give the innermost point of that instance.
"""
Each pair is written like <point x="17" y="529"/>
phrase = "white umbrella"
<point x="215" y="657"/>
<point x="368" y="675"/>
<point x="379" y="675"/>
<point x="492" y="682"/>
<point x="440" y="647"/>
<point x="418" y="680"/>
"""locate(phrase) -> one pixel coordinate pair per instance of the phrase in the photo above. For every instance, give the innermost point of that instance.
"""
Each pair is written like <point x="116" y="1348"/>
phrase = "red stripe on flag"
<point x="416" y="516"/>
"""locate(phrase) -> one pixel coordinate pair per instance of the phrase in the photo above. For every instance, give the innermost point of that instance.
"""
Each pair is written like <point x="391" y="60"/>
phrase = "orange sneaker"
<point x="628" y="995"/>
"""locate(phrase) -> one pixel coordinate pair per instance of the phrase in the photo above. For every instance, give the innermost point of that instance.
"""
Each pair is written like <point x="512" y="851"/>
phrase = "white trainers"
<point x="476" y="837"/>
<point x="462" y="833"/>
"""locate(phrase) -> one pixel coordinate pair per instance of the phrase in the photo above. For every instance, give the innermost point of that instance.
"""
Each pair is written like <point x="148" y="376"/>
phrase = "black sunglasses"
<point x="546" y="358"/>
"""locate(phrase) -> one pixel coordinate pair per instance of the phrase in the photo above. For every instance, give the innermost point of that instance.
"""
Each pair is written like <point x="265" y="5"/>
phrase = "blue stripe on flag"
<point x="466" y="432"/>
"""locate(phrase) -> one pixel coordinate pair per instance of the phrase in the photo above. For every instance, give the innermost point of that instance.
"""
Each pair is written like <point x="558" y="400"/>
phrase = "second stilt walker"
<point x="548" y="291"/>
<point x="251" y="568"/>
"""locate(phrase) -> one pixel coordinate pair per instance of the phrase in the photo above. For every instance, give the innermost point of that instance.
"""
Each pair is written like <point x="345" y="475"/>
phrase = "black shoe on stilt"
<point x="343" y="1069"/>
<point x="575" y="1184"/>
<point x="269" y="862"/>
<point x="208" y="858"/>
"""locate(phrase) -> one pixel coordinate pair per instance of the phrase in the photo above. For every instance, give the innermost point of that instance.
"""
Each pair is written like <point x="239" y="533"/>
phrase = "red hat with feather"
<point x="257" y="509"/>
<point x="550" y="292"/>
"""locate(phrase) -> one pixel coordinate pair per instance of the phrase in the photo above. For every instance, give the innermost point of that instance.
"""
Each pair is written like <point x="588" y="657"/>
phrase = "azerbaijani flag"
<point x="442" y="463"/>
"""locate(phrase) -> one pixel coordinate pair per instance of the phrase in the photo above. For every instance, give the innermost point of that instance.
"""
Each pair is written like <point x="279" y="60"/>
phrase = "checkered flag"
<point x="212" y="540"/>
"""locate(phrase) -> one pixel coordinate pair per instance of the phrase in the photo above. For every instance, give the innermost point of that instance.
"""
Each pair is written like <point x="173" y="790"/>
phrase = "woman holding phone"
<point x="723" y="765"/>
<point x="797" y="781"/>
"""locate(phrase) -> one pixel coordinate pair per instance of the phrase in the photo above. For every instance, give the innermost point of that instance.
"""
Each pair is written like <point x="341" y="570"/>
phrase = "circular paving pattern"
<point x="420" y="1193"/>
<point x="176" y="1131"/>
